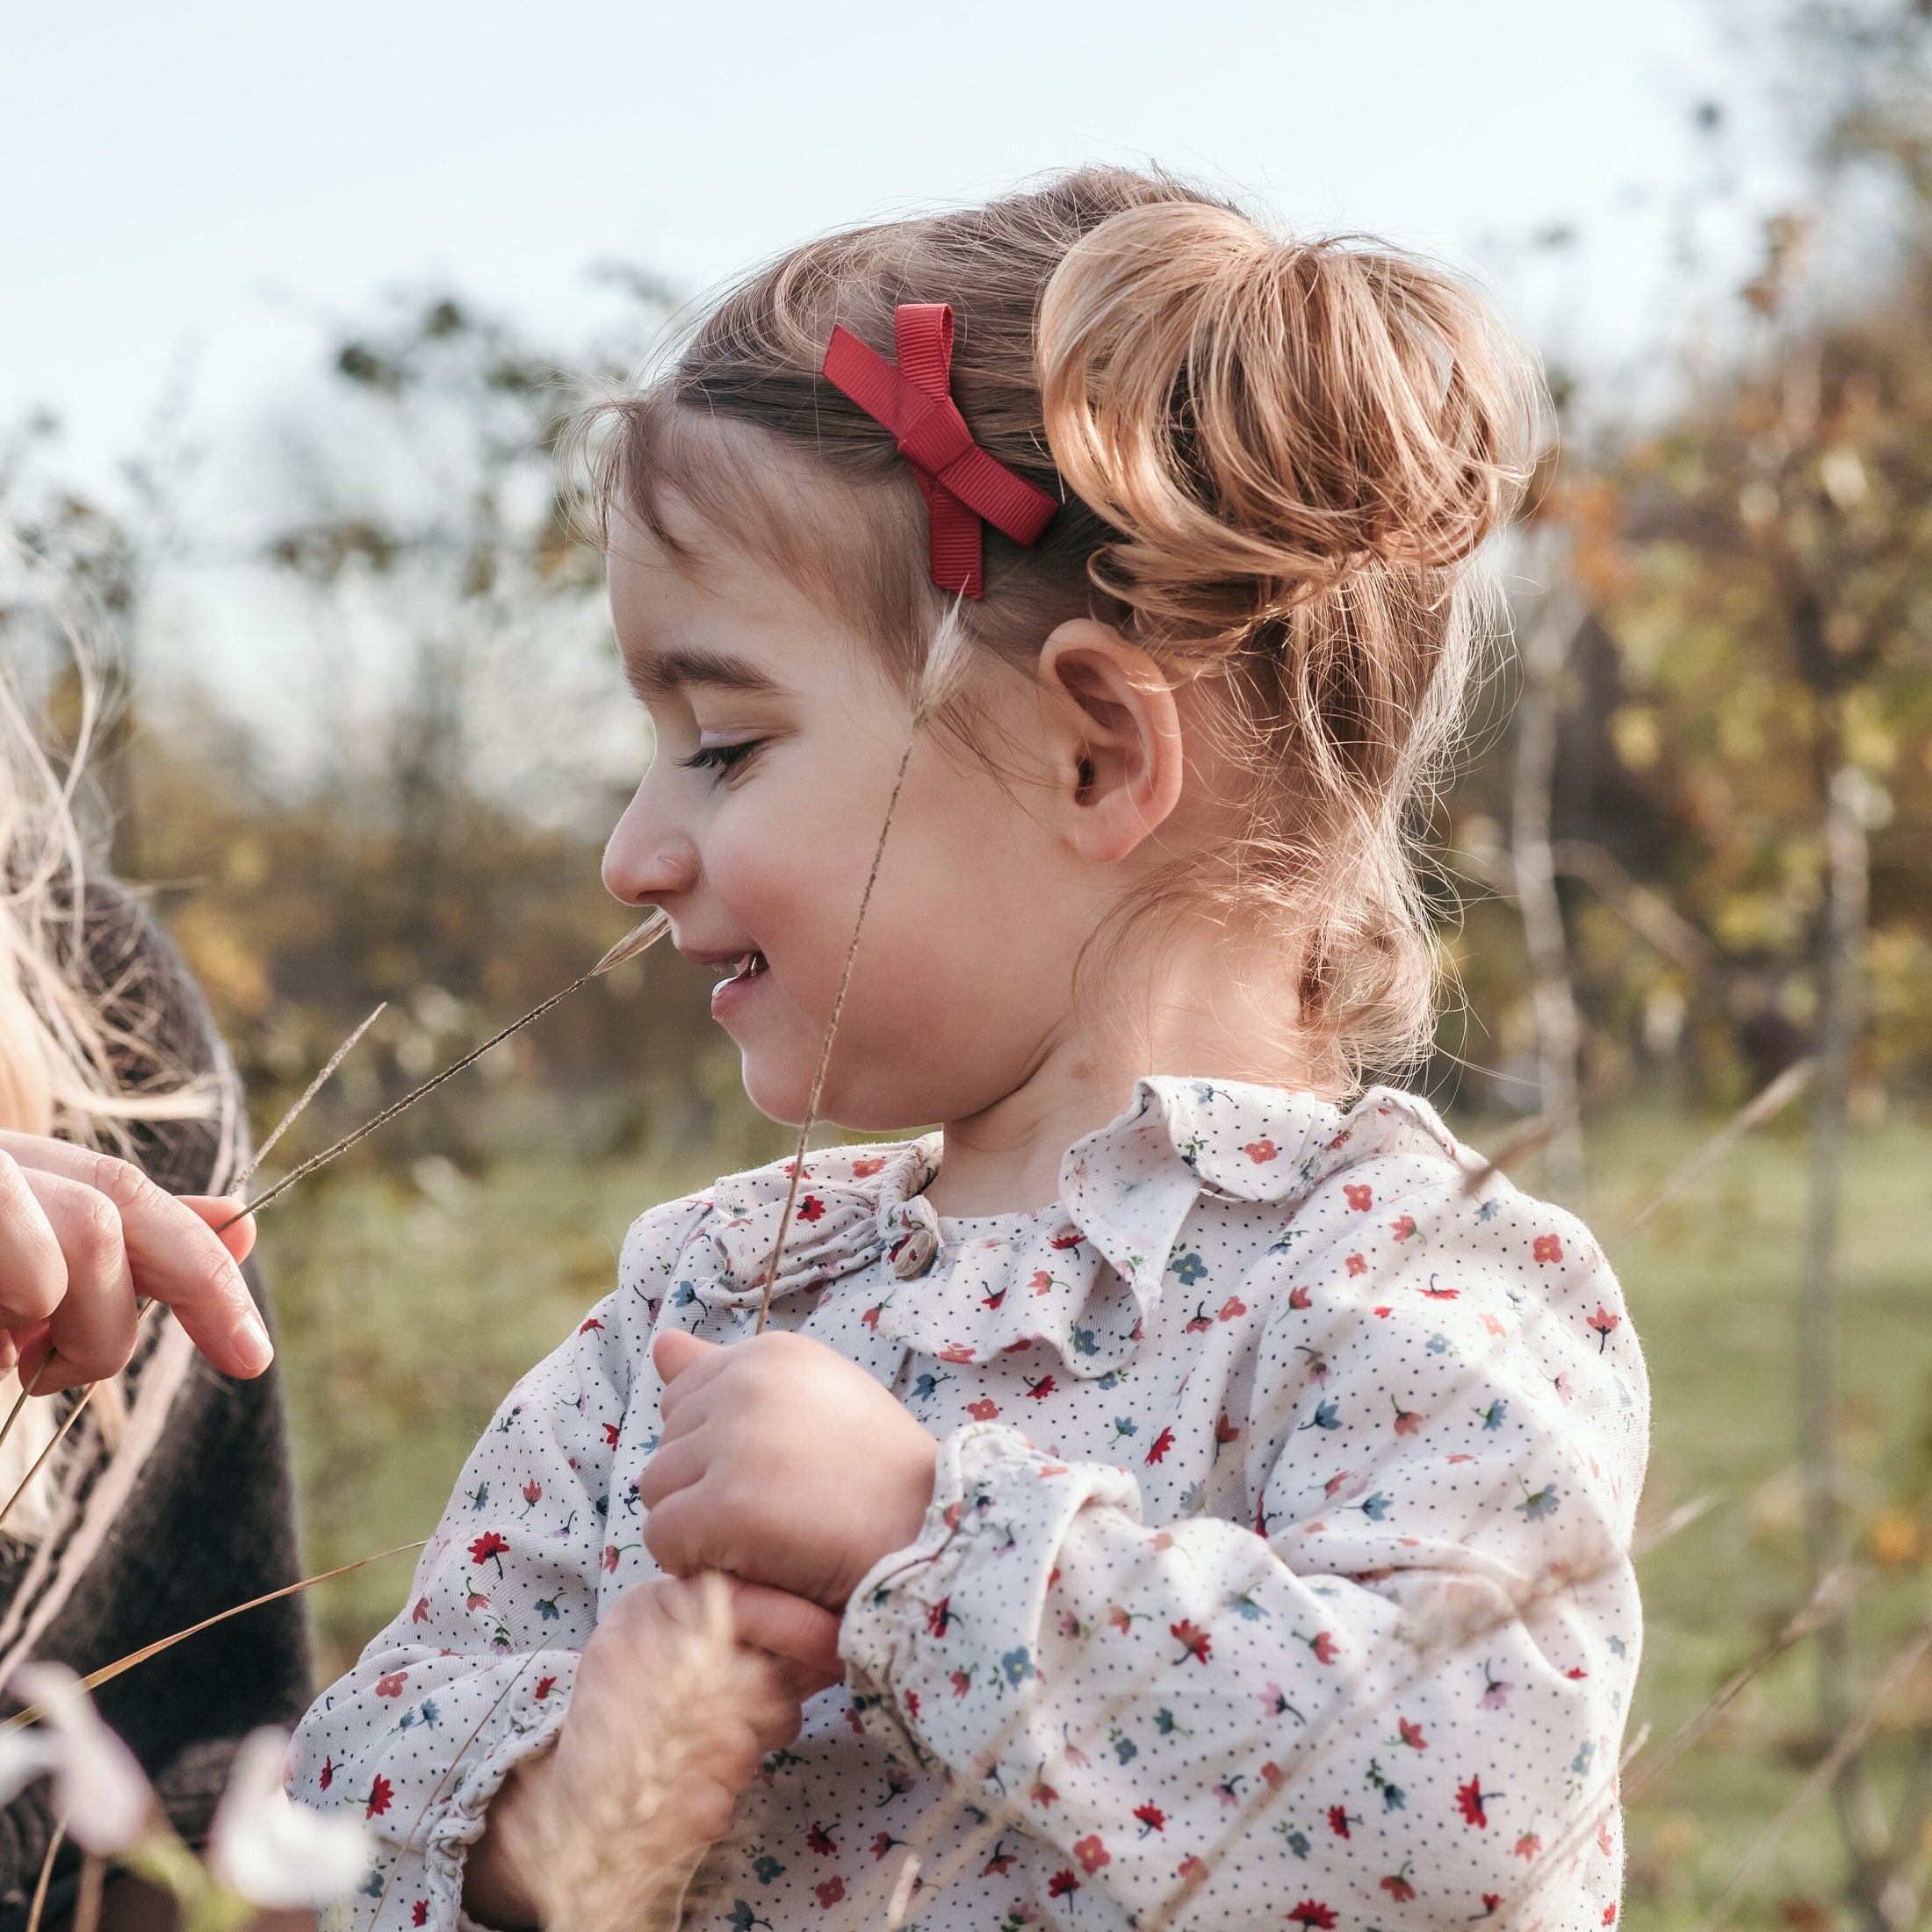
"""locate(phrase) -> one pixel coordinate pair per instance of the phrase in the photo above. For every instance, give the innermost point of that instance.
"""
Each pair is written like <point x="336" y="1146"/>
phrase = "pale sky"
<point x="202" y="193"/>
<point x="219" y="180"/>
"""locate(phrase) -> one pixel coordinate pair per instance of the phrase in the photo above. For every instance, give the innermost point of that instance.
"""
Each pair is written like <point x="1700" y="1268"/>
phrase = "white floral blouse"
<point x="1277" y="1569"/>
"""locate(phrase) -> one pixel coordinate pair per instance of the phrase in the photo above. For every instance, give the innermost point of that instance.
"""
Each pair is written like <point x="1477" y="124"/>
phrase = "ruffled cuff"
<point x="528" y="1720"/>
<point x="996" y="1499"/>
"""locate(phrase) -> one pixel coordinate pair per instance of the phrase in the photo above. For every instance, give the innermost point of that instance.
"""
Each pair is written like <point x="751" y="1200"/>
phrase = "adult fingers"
<point x="174" y="1254"/>
<point x="217" y="1210"/>
<point x="791" y="1628"/>
<point x="92" y="1329"/>
<point x="32" y="1268"/>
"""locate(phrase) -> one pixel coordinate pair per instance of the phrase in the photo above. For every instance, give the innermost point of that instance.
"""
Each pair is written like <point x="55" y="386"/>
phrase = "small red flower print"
<point x="1490" y="1901"/>
<point x="1261" y="1152"/>
<point x="912" y="1705"/>
<point x="864" y="1169"/>
<point x="1233" y="1305"/>
<point x="329" y="1773"/>
<point x="811" y="1208"/>
<point x="993" y="1299"/>
<point x="476" y="1600"/>
<point x="1224" y="1430"/>
<point x="1356" y="1265"/>
<point x="939" y="1618"/>
<point x="1068" y="1237"/>
<point x="418" y="1913"/>
<point x="1152" y="1818"/>
<point x="380" y="1795"/>
<point x="821" y="1840"/>
<point x="1061" y="1884"/>
<point x="391" y="1685"/>
<point x="962" y="1681"/>
<point x="1471" y="1799"/>
<point x="421" y="1613"/>
<point x="956" y="1351"/>
<point x="1411" y="1734"/>
<point x="1091" y="1854"/>
<point x="1311" y="1912"/>
<point x="1577" y="1672"/>
<point x="870" y="1318"/>
<point x="1043" y="1793"/>
<point x="1298" y="1298"/>
<point x="1434" y="1294"/>
<point x="610" y="1435"/>
<point x="1605" y="1842"/>
<point x="544" y="1686"/>
<point x="1040" y="1390"/>
<point x="1162" y="1444"/>
<point x="1494" y="1325"/>
<point x="1548" y="1248"/>
<point x="999" y="1864"/>
<point x="830" y="1891"/>
<point x="1339" y="1820"/>
<point x="1407" y="1421"/>
<point x="1361" y="1197"/>
<point x="1271" y="1774"/>
<point x="585" y="1327"/>
<point x="984" y="1410"/>
<point x="488" y="1548"/>
<point x="1402" y="1226"/>
<point x="1397" y="1886"/>
<point x="1605" y="1323"/>
<point x="1041" y="1282"/>
<point x="1526" y="1846"/>
<point x="1191" y="1870"/>
<point x="1193" y="1640"/>
<point x="610" y="1558"/>
<point x="533" y="1492"/>
<point x="1323" y="1645"/>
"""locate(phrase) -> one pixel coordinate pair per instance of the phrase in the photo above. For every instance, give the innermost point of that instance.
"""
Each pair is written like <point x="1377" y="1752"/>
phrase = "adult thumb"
<point x="674" y="1351"/>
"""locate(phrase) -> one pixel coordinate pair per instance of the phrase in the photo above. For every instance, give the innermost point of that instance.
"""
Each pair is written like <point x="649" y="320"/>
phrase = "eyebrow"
<point x="654" y="673"/>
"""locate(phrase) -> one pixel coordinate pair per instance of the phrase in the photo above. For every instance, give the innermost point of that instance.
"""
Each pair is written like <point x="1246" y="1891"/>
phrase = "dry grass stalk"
<point x="308" y="1094"/>
<point x="614" y="1845"/>
<point x="944" y="663"/>
<point x="639" y="940"/>
<point x="1759" y="1109"/>
<point x="107" y="1671"/>
<point x="1526" y="1139"/>
<point x="87" y="1906"/>
<point x="39" y="1905"/>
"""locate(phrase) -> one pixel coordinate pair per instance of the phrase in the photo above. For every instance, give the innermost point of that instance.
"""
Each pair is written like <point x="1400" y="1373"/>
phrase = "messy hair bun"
<point x="1277" y="460"/>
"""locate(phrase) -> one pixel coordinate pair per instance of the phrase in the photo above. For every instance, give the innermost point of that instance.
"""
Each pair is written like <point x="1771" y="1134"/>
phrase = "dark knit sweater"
<point x="211" y="1521"/>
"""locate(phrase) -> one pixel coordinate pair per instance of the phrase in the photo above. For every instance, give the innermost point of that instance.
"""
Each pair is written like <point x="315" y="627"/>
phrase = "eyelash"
<point x="721" y="759"/>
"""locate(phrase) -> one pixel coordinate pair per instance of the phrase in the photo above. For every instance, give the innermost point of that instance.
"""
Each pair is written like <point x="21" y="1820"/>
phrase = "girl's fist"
<point x="783" y="1463"/>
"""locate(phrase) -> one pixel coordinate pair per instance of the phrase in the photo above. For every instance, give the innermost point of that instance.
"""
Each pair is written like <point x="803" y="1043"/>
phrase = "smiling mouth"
<point x="746" y="966"/>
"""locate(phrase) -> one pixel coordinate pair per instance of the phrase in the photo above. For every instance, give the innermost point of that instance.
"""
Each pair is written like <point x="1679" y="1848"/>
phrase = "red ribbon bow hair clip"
<point x="961" y="482"/>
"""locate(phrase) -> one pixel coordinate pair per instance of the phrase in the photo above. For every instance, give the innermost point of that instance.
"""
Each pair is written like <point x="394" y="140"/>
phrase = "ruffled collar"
<point x="1082" y="1275"/>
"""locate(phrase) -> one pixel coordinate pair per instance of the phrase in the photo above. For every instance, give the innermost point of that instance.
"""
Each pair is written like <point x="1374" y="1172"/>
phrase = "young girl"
<point x="1210" y="1500"/>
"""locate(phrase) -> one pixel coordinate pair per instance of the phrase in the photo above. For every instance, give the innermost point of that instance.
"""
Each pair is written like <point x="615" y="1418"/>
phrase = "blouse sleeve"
<point x="475" y="1674"/>
<point x="1406" y="1680"/>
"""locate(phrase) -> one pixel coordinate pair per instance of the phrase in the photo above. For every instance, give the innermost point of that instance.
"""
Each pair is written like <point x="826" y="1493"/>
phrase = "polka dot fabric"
<point x="1276" y="1570"/>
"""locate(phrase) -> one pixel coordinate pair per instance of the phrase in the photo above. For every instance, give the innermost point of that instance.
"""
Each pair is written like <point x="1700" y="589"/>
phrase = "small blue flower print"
<point x="1492" y="1417"/>
<point x="1297" y="1841"/>
<point x="1586" y="1752"/>
<point x="742" y="1918"/>
<point x="683" y="1296"/>
<point x="1190" y="1267"/>
<point x="1245" y="1607"/>
<point x="480" y="1497"/>
<point x="1164" y="1722"/>
<point x="1375" y="1507"/>
<point x="765" y="1867"/>
<point x="1540" y="1503"/>
<point x="926" y="1386"/>
<point x="1393" y="1795"/>
<point x="1327" y="1416"/>
<point x="1489" y="1210"/>
<point x="547" y="1610"/>
<point x="1017" y="1666"/>
<point x="1084" y="1343"/>
<point x="1124" y="1746"/>
<point x="1438" y="1343"/>
<point x="430" y="1714"/>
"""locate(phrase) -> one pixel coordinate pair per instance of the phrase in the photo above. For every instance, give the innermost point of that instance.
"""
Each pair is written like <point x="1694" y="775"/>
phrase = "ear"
<point x="1116" y="741"/>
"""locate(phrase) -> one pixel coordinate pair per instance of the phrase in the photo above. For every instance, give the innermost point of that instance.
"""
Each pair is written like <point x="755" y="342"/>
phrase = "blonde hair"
<point x="1277" y="458"/>
<point x="71" y="1066"/>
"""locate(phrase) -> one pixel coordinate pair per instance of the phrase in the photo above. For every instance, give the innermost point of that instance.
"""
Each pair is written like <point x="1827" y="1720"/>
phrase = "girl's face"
<point x="778" y="738"/>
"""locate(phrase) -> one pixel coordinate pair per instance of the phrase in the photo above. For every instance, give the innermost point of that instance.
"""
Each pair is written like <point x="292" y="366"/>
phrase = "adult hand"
<point x="83" y="1235"/>
<point x="783" y="1463"/>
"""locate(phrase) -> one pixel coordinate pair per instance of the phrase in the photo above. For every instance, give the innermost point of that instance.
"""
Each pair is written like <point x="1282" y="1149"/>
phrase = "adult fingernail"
<point x="252" y="1341"/>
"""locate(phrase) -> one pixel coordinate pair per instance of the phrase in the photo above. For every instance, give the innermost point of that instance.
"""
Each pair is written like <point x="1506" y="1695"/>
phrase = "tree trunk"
<point x="1559" y="1036"/>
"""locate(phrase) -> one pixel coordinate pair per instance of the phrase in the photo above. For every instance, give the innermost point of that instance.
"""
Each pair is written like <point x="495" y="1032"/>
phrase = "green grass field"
<point x="409" y="1306"/>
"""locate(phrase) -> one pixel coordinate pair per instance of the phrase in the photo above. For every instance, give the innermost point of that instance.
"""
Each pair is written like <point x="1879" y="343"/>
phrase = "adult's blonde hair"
<point x="71" y="1063"/>
<point x="1277" y="457"/>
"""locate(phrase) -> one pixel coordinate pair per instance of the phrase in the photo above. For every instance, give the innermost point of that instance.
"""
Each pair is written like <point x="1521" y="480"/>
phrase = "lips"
<point x="745" y="966"/>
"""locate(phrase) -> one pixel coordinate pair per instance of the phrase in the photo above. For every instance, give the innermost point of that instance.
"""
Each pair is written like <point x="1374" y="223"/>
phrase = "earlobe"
<point x="1117" y="737"/>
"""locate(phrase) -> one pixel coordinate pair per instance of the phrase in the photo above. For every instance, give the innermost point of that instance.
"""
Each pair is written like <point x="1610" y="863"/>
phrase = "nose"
<point x="648" y="859"/>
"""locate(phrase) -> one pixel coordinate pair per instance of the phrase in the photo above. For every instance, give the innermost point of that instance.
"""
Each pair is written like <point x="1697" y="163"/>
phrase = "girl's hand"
<point x="658" y="1744"/>
<point x="82" y="1234"/>
<point x="783" y="1463"/>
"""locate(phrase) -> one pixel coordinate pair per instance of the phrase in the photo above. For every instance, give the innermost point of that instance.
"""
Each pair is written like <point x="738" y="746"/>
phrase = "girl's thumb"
<point x="674" y="1351"/>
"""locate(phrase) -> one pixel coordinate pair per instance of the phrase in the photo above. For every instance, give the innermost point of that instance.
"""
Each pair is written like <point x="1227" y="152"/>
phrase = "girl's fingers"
<point x="32" y="1268"/>
<point x="801" y="1632"/>
<point x="684" y="1364"/>
<point x="672" y="1467"/>
<point x="91" y="1330"/>
<point x="677" y="1533"/>
<point x="174" y="1255"/>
